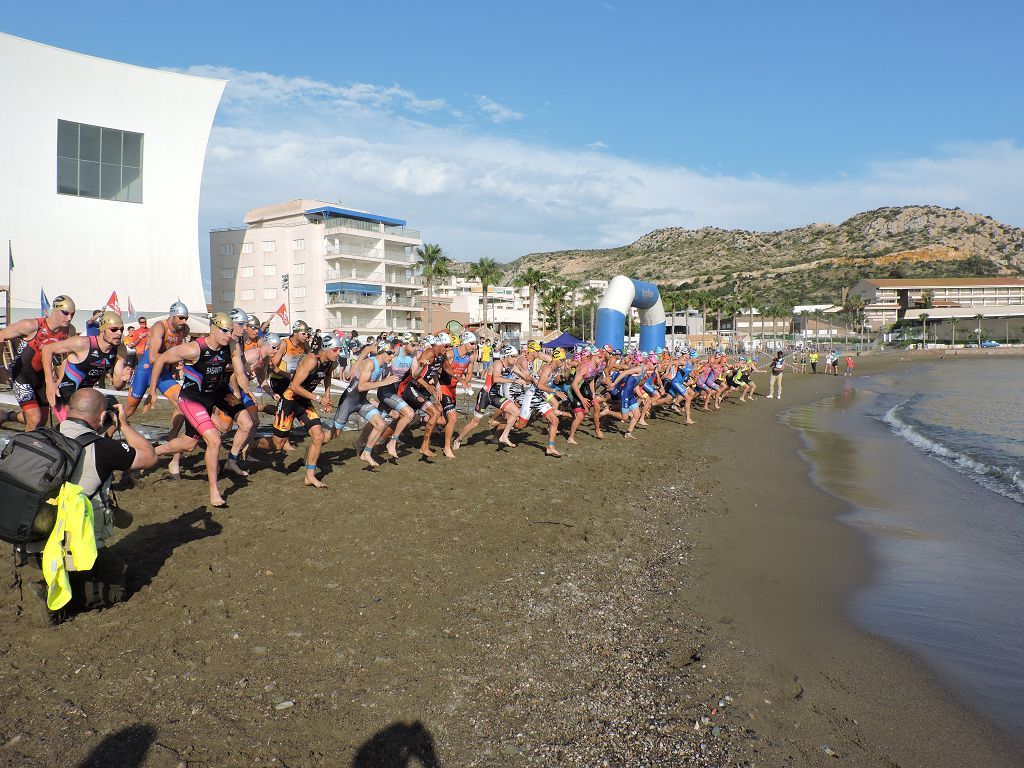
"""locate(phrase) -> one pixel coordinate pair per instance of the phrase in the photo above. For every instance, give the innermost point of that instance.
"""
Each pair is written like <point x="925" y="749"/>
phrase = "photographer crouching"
<point x="89" y="411"/>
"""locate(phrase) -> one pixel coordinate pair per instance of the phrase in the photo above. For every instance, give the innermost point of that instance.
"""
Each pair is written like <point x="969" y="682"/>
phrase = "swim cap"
<point x="300" y="326"/>
<point x="332" y="341"/>
<point x="533" y="345"/>
<point x="238" y="316"/>
<point x="108" y="318"/>
<point x="558" y="354"/>
<point x="469" y="338"/>
<point x="221" y="320"/>
<point x="177" y="308"/>
<point x="253" y="322"/>
<point x="442" y="338"/>
<point x="272" y="339"/>
<point x="65" y="303"/>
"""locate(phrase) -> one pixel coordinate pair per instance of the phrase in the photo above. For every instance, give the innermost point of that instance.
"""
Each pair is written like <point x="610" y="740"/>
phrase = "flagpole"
<point x="10" y="262"/>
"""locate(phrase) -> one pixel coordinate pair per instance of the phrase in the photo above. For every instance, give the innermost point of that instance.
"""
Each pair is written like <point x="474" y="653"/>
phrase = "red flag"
<point x="282" y="312"/>
<point x="113" y="303"/>
<point x="131" y="309"/>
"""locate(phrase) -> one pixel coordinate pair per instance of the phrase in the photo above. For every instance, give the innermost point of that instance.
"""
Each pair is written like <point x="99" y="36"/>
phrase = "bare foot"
<point x="313" y="482"/>
<point x="425" y="450"/>
<point x="368" y="458"/>
<point x="572" y="441"/>
<point x="552" y="452"/>
<point x="174" y="468"/>
<point x="217" y="501"/>
<point x="233" y="468"/>
<point x="448" y="452"/>
<point x="690" y="421"/>
<point x="629" y="435"/>
<point x="506" y="441"/>
<point x="457" y="443"/>
<point x="642" y="423"/>
<point x="599" y="435"/>
<point x="393" y="449"/>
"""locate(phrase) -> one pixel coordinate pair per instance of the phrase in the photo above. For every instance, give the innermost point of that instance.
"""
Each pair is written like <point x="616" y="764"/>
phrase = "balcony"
<point x="396" y="279"/>
<point x="401" y="258"/>
<point x="332" y="251"/>
<point x="358" y="299"/>
<point x="391" y="229"/>
<point x="343" y="222"/>
<point x="345" y="274"/>
<point x="375" y="326"/>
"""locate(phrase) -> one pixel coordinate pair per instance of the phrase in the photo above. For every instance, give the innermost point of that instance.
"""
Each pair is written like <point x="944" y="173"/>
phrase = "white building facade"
<point x="346" y="269"/>
<point x="102" y="164"/>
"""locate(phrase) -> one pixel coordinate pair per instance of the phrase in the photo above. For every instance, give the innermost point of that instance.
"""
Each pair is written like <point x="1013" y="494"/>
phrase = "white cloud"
<point x="481" y="194"/>
<point x="597" y="146"/>
<point x="497" y="113"/>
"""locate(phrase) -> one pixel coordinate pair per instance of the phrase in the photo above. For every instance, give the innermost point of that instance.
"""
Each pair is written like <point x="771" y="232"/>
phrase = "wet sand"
<point x="627" y="604"/>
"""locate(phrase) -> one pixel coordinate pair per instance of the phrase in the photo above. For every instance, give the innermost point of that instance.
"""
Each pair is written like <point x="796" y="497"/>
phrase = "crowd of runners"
<point x="221" y="382"/>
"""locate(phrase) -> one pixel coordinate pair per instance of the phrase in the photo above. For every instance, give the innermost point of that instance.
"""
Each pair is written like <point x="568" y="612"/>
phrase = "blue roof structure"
<point x="333" y="210"/>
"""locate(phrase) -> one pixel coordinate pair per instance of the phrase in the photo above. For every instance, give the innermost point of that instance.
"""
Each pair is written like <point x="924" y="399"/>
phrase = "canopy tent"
<point x="565" y="341"/>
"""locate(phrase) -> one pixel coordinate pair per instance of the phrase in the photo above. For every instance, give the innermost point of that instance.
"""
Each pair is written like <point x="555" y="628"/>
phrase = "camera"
<point x="110" y="418"/>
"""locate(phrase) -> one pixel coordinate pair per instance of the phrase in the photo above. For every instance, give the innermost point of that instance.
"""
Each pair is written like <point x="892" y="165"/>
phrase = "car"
<point x="990" y="343"/>
<point x="970" y="345"/>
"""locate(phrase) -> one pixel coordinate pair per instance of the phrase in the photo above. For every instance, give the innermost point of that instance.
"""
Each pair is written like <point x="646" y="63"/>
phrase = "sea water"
<point x="931" y="463"/>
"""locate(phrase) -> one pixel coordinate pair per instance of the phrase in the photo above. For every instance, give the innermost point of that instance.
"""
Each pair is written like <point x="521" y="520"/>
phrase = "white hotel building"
<point x="347" y="269"/>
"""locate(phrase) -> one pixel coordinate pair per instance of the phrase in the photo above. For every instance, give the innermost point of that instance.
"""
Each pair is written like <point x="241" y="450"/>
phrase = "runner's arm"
<point x="18" y="330"/>
<point x="169" y="357"/>
<point x="65" y="347"/>
<point x="121" y="370"/>
<point x="305" y="367"/>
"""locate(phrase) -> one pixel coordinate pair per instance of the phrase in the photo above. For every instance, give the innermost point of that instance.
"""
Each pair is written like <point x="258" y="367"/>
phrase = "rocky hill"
<point x="812" y="263"/>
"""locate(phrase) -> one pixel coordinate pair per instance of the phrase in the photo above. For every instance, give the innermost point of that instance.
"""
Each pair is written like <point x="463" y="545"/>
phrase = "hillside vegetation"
<point x="808" y="264"/>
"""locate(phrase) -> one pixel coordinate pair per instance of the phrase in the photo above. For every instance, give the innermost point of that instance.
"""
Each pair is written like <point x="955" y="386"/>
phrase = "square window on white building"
<point x="249" y="294"/>
<point x="299" y="292"/>
<point x="299" y="269"/>
<point x="299" y="244"/>
<point x="269" y="246"/>
<point x="227" y="295"/>
<point x="270" y="293"/>
<point x="227" y="250"/>
<point x="246" y="247"/>
<point x="246" y="271"/>
<point x="227" y="273"/>
<point x="269" y="269"/>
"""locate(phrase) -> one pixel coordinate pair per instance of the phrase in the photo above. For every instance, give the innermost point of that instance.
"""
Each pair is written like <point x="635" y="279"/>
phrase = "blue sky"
<point x="500" y="129"/>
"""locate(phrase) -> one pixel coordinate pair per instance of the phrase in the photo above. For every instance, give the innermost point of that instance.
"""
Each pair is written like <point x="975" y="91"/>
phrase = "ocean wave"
<point x="1006" y="481"/>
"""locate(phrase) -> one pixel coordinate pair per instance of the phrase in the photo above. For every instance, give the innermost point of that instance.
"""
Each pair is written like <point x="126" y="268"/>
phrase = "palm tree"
<point x="433" y="265"/>
<point x="953" y="323"/>
<point x="818" y="315"/>
<point x="978" y="318"/>
<point x="590" y="296"/>
<point x="703" y="302"/>
<point x="924" y="325"/>
<point x="533" y="279"/>
<point x="488" y="273"/>
<point x="855" y="305"/>
<point x="571" y="287"/>
<point x="555" y="294"/>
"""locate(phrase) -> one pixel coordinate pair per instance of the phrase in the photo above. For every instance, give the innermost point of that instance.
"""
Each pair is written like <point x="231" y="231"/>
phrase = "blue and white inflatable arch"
<point x="624" y="292"/>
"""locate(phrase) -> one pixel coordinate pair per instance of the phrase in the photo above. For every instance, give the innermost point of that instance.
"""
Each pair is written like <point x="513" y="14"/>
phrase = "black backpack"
<point x="33" y="467"/>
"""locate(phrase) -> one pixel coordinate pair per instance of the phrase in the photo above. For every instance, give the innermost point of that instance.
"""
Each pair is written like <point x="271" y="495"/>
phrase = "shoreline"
<point x="781" y="567"/>
<point x="628" y="603"/>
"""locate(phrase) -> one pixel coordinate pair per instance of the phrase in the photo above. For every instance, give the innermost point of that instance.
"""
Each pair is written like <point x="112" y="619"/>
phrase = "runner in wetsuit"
<point x="284" y="363"/>
<point x="297" y="402"/>
<point x="205" y="387"/>
<point x="88" y="360"/>
<point x="456" y="368"/>
<point x="162" y="336"/>
<point x="401" y="412"/>
<point x="496" y="392"/>
<point x="369" y="374"/>
<point x="26" y="370"/>
<point x="417" y="389"/>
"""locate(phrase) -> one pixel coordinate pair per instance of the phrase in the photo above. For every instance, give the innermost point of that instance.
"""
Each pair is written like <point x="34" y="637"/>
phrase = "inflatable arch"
<point x="624" y="292"/>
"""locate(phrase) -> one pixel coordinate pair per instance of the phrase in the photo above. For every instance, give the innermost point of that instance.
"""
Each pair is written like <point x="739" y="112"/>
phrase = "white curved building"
<point x="102" y="164"/>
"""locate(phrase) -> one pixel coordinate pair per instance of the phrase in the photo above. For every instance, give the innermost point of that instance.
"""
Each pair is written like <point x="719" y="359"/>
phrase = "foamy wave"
<point x="993" y="478"/>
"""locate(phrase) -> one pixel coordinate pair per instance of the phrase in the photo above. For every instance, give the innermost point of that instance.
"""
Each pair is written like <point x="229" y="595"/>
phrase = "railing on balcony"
<point x="334" y="323"/>
<point x="397" y="279"/>
<point x="343" y="222"/>
<point x="343" y="274"/>
<point x="346" y="297"/>
<point x="391" y="229"/>
<point x="351" y="252"/>
<point x="400" y="256"/>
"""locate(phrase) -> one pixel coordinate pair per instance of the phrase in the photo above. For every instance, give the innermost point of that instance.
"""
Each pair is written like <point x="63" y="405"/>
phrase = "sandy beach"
<point x="677" y="600"/>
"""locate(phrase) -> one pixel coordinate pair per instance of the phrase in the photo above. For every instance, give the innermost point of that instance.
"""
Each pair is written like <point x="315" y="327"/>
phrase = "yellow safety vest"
<point x="73" y="535"/>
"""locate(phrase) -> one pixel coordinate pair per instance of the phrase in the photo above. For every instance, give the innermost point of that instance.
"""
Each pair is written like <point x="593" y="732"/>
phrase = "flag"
<point x="44" y="303"/>
<point x="282" y="312"/>
<point x="131" y="309"/>
<point x="113" y="303"/>
<point x="10" y="257"/>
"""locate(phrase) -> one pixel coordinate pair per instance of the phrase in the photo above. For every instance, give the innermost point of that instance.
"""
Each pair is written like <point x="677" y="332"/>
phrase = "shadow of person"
<point x="147" y="547"/>
<point x="127" y="748"/>
<point x="397" y="746"/>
